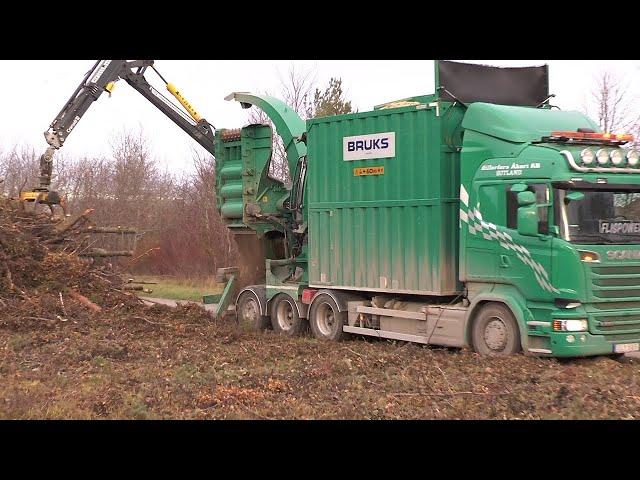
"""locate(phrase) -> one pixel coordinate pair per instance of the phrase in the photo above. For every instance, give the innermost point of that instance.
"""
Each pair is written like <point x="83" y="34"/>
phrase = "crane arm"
<point x="102" y="78"/>
<point x="192" y="123"/>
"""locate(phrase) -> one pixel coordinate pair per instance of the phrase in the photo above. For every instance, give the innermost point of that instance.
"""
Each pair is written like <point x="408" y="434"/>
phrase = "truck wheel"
<point x="326" y="320"/>
<point x="495" y="331"/>
<point x="248" y="312"/>
<point x="284" y="316"/>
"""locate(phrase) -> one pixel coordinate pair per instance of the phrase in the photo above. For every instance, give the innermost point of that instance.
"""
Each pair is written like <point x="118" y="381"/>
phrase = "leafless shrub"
<point x="612" y="105"/>
<point x="127" y="188"/>
<point x="296" y="88"/>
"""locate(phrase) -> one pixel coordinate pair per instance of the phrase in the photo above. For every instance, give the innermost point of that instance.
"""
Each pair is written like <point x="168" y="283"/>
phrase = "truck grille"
<point x="616" y="295"/>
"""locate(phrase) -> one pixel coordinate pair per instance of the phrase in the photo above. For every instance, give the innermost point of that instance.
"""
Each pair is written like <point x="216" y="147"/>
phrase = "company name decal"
<point x="623" y="254"/>
<point x="75" y="121"/>
<point x="363" y="147"/>
<point x="513" y="169"/>
<point x="619" y="227"/>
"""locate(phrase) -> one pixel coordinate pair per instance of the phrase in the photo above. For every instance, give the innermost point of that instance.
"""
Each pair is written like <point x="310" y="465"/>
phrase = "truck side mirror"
<point x="519" y="187"/>
<point x="527" y="214"/>
<point x="573" y="197"/>
<point x="526" y="198"/>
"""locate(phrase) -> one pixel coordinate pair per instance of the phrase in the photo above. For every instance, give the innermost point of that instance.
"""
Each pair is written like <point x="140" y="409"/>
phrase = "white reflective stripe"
<point x="464" y="195"/>
<point x="490" y="232"/>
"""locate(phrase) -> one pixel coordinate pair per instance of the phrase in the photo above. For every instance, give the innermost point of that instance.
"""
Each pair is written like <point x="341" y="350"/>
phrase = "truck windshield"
<point x="600" y="216"/>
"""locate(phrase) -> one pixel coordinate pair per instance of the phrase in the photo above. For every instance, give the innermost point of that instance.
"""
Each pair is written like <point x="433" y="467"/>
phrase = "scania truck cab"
<point x="479" y="216"/>
<point x="550" y="226"/>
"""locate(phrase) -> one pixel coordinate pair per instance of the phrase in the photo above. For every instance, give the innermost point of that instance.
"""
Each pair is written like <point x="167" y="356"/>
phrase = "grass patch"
<point x="138" y="409"/>
<point x="180" y="288"/>
<point x="18" y="341"/>
<point x="99" y="361"/>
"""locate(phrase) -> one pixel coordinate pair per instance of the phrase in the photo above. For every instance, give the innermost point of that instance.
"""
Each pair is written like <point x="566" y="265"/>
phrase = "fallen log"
<point x="122" y="230"/>
<point x="85" y="301"/>
<point x="71" y="222"/>
<point x="99" y="252"/>
<point x="136" y="288"/>
<point x="131" y="262"/>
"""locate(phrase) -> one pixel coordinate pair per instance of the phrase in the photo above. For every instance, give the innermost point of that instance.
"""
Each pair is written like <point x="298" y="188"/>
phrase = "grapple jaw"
<point x="44" y="197"/>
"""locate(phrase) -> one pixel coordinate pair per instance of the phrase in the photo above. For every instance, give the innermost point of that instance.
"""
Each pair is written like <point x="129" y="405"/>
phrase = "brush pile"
<point x="43" y="275"/>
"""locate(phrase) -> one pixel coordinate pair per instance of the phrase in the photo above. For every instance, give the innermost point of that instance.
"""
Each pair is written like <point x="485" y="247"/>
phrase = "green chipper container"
<point x="386" y="224"/>
<point x="478" y="216"/>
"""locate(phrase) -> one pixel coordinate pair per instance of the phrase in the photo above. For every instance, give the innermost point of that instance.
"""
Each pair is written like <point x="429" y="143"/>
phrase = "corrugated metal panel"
<point x="392" y="232"/>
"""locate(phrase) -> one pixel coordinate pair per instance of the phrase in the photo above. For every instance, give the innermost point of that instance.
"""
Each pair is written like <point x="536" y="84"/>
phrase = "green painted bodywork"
<point x="242" y="165"/>
<point x="434" y="224"/>
<point x="223" y="299"/>
<point x="211" y="298"/>
<point x="499" y="153"/>
<point x="390" y="232"/>
<point x="521" y="124"/>
<point x="248" y="198"/>
<point x="286" y="120"/>
<point x="243" y="180"/>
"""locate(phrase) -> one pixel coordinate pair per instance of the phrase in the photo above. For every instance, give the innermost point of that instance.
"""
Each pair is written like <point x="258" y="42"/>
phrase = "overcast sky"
<point x="34" y="91"/>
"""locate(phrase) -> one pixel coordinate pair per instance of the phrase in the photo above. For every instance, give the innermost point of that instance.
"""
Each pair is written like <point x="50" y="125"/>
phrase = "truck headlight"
<point x="616" y="156"/>
<point x="570" y="325"/>
<point x="603" y="156"/>
<point x="587" y="156"/>
<point x="632" y="158"/>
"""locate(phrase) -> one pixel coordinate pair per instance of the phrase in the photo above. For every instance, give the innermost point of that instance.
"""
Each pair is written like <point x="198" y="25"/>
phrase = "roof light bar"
<point x="607" y="162"/>
<point x="600" y="137"/>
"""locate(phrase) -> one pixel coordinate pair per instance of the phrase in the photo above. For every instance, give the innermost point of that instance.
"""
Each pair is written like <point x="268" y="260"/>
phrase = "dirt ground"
<point x="158" y="362"/>
<point x="76" y="344"/>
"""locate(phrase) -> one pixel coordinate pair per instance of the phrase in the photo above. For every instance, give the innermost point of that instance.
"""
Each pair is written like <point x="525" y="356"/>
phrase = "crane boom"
<point x="102" y="78"/>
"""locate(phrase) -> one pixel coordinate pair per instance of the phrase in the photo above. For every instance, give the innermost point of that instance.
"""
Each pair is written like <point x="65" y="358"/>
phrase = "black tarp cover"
<point x="522" y="86"/>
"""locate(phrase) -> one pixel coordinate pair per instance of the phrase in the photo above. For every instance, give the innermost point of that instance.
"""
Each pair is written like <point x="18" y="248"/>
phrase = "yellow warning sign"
<point x="361" y="171"/>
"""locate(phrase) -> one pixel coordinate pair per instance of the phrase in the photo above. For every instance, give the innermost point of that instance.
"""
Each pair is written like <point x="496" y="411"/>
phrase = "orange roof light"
<point x="611" y="137"/>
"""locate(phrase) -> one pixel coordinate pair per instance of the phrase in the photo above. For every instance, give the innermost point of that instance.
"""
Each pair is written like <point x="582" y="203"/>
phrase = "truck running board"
<point x="385" y="334"/>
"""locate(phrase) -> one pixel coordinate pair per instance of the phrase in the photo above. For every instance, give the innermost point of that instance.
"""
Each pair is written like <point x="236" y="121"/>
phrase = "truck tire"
<point x="284" y="316"/>
<point x="495" y="331"/>
<point x="248" y="312"/>
<point x="326" y="320"/>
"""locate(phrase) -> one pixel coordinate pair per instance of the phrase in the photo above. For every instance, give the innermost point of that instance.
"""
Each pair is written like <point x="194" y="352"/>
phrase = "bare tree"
<point x="612" y="105"/>
<point x="176" y="213"/>
<point x="19" y="169"/>
<point x="192" y="238"/>
<point x="296" y="87"/>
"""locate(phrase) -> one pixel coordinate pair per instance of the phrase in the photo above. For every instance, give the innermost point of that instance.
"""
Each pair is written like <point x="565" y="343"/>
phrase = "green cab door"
<point x="525" y="260"/>
<point x="481" y="252"/>
<point x="494" y="251"/>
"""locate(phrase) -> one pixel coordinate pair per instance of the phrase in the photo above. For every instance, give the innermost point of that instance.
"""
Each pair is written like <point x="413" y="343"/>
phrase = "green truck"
<point x="479" y="216"/>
